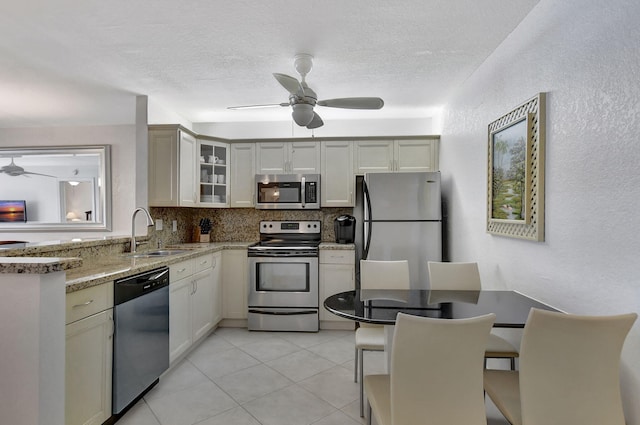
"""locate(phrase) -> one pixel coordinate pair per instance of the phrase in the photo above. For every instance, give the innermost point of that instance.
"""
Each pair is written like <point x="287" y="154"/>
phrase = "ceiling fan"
<point x="302" y="98"/>
<point x="14" y="170"/>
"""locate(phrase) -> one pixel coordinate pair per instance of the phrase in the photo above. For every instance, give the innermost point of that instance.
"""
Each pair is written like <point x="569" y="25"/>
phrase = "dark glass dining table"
<point x="382" y="306"/>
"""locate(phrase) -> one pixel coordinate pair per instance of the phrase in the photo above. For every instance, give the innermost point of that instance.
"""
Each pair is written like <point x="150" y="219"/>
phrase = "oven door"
<point x="283" y="282"/>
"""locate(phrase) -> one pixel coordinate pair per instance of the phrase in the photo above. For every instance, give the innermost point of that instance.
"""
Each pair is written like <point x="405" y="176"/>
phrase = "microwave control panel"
<point x="311" y="192"/>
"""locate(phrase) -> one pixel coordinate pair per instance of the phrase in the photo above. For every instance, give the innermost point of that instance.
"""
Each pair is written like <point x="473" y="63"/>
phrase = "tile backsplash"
<point x="233" y="224"/>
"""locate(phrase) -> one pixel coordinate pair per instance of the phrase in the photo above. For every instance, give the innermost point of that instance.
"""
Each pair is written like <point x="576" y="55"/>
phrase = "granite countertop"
<point x="37" y="265"/>
<point x="115" y="267"/>
<point x="84" y="274"/>
<point x="337" y="246"/>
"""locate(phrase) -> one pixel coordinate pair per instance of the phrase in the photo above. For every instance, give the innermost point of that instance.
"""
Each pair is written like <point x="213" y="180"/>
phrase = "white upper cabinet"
<point x="213" y="173"/>
<point x="416" y="155"/>
<point x="288" y="157"/>
<point x="396" y="155"/>
<point x="172" y="169"/>
<point x="242" y="172"/>
<point x="373" y="155"/>
<point x="337" y="180"/>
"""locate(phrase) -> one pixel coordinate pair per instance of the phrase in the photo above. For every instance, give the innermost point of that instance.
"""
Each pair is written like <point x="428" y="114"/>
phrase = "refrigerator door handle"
<point x="368" y="221"/>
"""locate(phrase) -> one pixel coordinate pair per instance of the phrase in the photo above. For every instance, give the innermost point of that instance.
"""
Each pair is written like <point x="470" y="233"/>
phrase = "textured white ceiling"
<point x="70" y="62"/>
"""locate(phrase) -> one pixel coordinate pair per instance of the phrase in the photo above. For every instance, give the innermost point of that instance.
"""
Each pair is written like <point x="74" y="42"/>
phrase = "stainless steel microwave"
<point x="288" y="191"/>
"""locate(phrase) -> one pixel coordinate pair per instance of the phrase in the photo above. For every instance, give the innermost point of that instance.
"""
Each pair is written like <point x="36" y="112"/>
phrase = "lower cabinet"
<point x="235" y="284"/>
<point x="193" y="298"/>
<point x="337" y="274"/>
<point x="88" y="356"/>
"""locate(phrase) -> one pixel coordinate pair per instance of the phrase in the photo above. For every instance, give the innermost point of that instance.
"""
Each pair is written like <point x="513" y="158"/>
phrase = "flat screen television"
<point x="13" y="211"/>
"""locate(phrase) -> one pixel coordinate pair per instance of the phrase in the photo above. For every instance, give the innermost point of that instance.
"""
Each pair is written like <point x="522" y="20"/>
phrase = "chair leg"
<point x="361" y="368"/>
<point x="355" y="368"/>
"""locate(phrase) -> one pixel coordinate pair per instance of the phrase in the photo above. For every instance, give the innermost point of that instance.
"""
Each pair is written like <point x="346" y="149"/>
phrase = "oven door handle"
<point x="283" y="255"/>
<point x="303" y="187"/>
<point x="283" y="313"/>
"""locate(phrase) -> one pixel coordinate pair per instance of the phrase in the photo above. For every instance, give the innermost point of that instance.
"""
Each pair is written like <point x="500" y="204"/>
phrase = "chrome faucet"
<point x="150" y="223"/>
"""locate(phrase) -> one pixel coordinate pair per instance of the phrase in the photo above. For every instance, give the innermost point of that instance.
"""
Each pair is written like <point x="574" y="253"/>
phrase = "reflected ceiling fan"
<point x="14" y="170"/>
<point x="302" y="98"/>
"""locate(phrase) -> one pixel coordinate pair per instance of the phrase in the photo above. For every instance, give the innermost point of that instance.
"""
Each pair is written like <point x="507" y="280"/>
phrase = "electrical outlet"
<point x="175" y="225"/>
<point x="158" y="224"/>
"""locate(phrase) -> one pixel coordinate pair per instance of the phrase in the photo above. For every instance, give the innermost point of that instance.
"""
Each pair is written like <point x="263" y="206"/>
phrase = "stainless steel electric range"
<point x="283" y="277"/>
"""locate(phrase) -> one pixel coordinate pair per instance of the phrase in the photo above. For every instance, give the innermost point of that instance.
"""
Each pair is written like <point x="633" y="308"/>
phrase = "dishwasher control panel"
<point x="132" y="287"/>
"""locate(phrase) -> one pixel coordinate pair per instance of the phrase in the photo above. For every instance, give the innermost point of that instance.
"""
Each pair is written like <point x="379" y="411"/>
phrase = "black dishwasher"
<point x="141" y="334"/>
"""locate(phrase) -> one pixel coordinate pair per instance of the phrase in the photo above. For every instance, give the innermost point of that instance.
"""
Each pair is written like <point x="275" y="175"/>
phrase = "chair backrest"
<point x="384" y="274"/>
<point x="436" y="370"/>
<point x="454" y="276"/>
<point x="570" y="368"/>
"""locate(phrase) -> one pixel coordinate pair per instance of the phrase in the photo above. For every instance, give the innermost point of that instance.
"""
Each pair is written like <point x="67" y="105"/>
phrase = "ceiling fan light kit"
<point x="303" y="99"/>
<point x="302" y="114"/>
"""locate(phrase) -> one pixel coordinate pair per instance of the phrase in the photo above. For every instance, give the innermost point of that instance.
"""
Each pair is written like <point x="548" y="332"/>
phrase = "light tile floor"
<point x="237" y="377"/>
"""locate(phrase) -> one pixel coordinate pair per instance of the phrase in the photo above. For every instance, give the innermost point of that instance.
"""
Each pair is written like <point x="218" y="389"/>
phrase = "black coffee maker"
<point x="344" y="227"/>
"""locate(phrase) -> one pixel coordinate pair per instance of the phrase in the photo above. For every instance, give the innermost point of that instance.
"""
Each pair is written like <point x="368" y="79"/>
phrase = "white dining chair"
<point x="569" y="371"/>
<point x="466" y="276"/>
<point x="436" y="373"/>
<point x="376" y="275"/>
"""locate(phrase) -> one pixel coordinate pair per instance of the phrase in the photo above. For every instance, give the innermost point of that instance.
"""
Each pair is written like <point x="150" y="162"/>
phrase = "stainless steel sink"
<point x="158" y="253"/>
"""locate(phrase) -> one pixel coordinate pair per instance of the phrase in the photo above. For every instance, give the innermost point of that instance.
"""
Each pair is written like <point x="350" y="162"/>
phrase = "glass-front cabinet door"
<point x="213" y="159"/>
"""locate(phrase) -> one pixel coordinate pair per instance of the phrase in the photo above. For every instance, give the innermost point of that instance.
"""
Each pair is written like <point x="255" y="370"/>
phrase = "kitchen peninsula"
<point x="78" y="330"/>
<point x="32" y="310"/>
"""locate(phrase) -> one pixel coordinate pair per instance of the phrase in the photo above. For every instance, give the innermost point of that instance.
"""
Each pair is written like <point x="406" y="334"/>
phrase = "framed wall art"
<point x="515" y="183"/>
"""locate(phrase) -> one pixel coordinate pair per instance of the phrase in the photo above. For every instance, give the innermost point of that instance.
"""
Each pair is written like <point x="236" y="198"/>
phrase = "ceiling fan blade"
<point x="315" y="122"/>
<point x="353" y="103"/>
<point x="291" y="84"/>
<point x="37" y="174"/>
<point x="266" y="105"/>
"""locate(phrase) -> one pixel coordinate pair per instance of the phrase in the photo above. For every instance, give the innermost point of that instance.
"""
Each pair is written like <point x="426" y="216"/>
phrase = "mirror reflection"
<point x="55" y="188"/>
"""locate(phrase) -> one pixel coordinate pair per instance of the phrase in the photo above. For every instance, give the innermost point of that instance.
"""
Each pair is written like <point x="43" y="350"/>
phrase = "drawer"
<point x="332" y="256"/>
<point x="181" y="270"/>
<point x="85" y="302"/>
<point x="203" y="262"/>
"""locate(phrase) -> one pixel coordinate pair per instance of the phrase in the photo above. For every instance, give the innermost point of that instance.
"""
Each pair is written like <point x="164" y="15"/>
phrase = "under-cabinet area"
<point x="208" y="286"/>
<point x="89" y="354"/>
<point x="190" y="170"/>
<point x="337" y="268"/>
<point x="195" y="310"/>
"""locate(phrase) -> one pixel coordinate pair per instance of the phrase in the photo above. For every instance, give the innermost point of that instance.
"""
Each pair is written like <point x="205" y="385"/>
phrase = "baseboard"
<point x="233" y="323"/>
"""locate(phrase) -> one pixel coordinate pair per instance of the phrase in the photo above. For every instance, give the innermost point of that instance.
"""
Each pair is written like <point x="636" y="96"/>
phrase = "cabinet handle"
<point x="182" y="270"/>
<point x="215" y="262"/>
<point x="204" y="261"/>
<point x="83" y="304"/>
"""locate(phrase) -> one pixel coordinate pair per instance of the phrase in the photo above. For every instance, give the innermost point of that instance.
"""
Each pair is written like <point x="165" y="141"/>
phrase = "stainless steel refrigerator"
<point x="400" y="218"/>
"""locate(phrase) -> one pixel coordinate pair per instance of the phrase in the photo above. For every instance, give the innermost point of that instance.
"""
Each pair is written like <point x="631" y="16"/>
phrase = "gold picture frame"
<point x="515" y="172"/>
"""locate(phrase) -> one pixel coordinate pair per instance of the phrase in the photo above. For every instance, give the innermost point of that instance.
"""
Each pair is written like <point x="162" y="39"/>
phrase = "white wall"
<point x="336" y="128"/>
<point x="122" y="139"/>
<point x="161" y="114"/>
<point x="584" y="54"/>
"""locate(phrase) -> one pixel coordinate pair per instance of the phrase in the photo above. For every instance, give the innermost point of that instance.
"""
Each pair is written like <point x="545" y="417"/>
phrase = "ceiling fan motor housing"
<point x="303" y="64"/>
